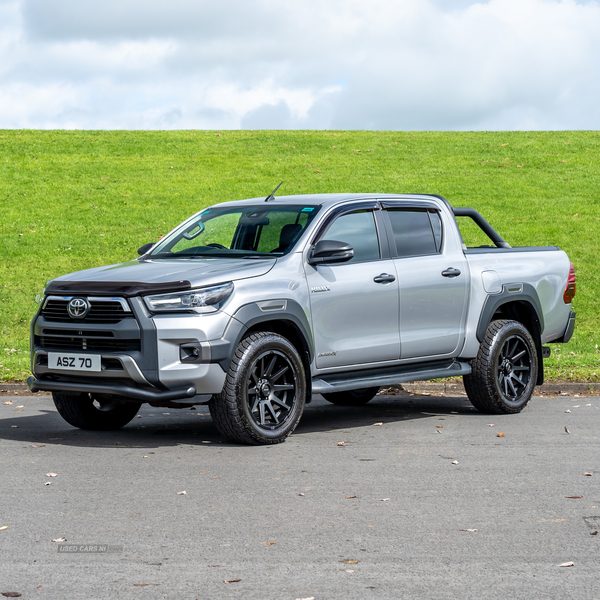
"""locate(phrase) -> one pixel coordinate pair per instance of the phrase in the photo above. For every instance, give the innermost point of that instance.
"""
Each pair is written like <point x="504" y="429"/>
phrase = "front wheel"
<point x="264" y="393"/>
<point x="96" y="413"/>
<point x="504" y="372"/>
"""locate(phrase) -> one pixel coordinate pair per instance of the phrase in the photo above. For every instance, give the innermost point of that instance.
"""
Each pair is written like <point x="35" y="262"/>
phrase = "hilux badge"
<point x="78" y="308"/>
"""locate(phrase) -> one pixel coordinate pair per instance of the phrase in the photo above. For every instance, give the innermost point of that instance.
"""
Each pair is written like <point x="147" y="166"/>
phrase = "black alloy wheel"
<point x="513" y="368"/>
<point x="504" y="373"/>
<point x="264" y="393"/>
<point x="271" y="389"/>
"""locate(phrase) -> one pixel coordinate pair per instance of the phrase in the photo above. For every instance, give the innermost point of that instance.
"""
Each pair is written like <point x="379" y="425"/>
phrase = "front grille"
<point x="109" y="311"/>
<point x="74" y="343"/>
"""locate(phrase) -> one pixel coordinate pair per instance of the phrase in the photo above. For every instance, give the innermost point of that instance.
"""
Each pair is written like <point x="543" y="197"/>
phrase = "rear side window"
<point x="357" y="229"/>
<point x="416" y="232"/>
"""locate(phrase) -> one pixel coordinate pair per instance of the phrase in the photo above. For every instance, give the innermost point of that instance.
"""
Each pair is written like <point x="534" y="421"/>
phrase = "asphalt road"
<point x="429" y="503"/>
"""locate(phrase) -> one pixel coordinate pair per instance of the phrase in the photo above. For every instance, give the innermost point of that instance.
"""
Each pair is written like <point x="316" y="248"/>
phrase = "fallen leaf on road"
<point x="269" y="543"/>
<point x="8" y="402"/>
<point x="300" y="494"/>
<point x="348" y="570"/>
<point x="37" y="445"/>
<point x="490" y="425"/>
<point x="50" y="474"/>
<point x="141" y="584"/>
<point x="573" y="496"/>
<point x="350" y="561"/>
<point x="383" y="500"/>
<point x="500" y="435"/>
<point x="593" y="532"/>
<point x="440" y="426"/>
<point x="48" y="483"/>
<point x="231" y="580"/>
<point x="184" y="493"/>
<point x="341" y="444"/>
<point x="567" y="411"/>
<point x="454" y="462"/>
<point x="11" y="594"/>
<point x="587" y="474"/>
<point x="566" y="430"/>
<point x="348" y="497"/>
<point x="21" y="406"/>
<point x="61" y="539"/>
<point x="144" y="457"/>
<point x="3" y="527"/>
<point x="377" y="424"/>
<point x="567" y="564"/>
<point x="215" y="565"/>
<point x="14" y="426"/>
<point x="469" y="530"/>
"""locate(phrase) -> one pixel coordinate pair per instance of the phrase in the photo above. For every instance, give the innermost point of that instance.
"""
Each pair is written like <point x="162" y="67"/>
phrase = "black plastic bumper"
<point x="569" y="329"/>
<point x="42" y="385"/>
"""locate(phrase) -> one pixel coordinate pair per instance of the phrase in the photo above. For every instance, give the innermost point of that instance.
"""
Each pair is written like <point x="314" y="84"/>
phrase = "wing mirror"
<point x="330" y="251"/>
<point x="145" y="248"/>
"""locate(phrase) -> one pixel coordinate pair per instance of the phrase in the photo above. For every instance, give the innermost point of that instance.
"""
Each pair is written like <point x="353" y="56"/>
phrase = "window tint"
<point x="413" y="232"/>
<point x="357" y="229"/>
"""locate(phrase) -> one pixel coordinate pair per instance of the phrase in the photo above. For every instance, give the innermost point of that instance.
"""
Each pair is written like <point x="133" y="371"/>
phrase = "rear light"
<point x="570" y="289"/>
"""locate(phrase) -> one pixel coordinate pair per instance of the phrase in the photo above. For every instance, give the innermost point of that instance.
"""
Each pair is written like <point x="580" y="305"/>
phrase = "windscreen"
<point x="243" y="231"/>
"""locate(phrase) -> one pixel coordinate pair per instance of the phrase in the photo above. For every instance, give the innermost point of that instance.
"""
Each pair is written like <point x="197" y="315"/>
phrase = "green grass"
<point x="72" y="200"/>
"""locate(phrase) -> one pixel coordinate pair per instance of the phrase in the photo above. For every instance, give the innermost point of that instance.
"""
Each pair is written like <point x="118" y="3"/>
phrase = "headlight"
<point x="202" y="300"/>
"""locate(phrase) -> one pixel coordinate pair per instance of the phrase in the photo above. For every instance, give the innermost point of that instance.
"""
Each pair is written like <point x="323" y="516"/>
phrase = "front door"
<point x="354" y="304"/>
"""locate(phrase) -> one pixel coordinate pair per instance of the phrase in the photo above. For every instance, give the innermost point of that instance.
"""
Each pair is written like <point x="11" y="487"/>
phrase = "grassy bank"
<point x="76" y="199"/>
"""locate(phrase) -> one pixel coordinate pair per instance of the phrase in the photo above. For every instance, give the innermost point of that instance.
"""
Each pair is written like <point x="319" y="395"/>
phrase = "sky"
<point x="300" y="64"/>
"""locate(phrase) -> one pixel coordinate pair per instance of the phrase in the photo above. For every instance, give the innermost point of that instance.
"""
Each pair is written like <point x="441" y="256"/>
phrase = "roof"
<point x="330" y="199"/>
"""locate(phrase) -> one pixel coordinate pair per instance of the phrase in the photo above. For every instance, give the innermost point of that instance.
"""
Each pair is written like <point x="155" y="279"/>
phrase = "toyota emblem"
<point x="78" y="308"/>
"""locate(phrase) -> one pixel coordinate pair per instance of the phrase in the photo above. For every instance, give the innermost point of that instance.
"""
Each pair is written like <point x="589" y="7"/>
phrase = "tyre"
<point x="264" y="393"/>
<point x="351" y="398"/>
<point x="92" y="412"/>
<point x="504" y="372"/>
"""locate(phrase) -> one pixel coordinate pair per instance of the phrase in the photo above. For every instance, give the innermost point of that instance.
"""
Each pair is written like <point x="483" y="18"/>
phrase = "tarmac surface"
<point x="411" y="496"/>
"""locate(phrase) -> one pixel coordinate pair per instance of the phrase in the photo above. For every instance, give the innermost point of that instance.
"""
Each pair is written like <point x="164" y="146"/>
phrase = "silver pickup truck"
<point x="252" y="306"/>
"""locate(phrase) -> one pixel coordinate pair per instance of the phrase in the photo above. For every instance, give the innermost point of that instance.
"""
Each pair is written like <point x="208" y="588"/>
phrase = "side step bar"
<point x="343" y="382"/>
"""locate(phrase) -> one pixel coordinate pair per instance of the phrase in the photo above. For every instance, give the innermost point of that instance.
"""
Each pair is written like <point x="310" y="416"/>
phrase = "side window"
<point x="357" y="229"/>
<point x="416" y="232"/>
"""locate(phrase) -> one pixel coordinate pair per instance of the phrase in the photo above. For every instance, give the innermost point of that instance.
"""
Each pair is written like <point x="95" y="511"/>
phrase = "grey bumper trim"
<point x="39" y="385"/>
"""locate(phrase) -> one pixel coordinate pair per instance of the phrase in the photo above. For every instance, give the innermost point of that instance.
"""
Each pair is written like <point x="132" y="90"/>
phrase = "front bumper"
<point x="144" y="358"/>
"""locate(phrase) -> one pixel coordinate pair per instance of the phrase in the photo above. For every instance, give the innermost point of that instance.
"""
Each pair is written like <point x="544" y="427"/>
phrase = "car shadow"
<point x="161" y="427"/>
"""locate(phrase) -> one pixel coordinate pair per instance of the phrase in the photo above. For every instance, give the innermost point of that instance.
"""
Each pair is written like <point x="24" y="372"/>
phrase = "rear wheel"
<point x="94" y="412"/>
<point x="352" y="397"/>
<point x="264" y="393"/>
<point x="504" y="372"/>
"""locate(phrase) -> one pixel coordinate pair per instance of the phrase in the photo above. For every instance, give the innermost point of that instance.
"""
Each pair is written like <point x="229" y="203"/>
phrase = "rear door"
<point x="354" y="305"/>
<point x="433" y="276"/>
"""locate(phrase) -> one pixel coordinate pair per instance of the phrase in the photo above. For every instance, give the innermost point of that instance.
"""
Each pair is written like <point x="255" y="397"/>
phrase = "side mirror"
<point x="145" y="248"/>
<point x="330" y="251"/>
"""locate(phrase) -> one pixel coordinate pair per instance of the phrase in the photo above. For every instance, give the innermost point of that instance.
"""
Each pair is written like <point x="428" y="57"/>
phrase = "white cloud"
<point x="416" y="64"/>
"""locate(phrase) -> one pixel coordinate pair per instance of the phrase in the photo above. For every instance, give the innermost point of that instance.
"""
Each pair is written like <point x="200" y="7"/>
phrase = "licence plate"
<point x="74" y="362"/>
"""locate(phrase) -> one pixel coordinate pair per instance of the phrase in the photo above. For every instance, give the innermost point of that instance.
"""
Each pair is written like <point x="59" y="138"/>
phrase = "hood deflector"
<point x="111" y="288"/>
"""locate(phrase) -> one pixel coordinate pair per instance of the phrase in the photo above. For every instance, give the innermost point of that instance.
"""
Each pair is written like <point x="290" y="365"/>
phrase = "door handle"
<point x="451" y="272"/>
<point x="384" y="278"/>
